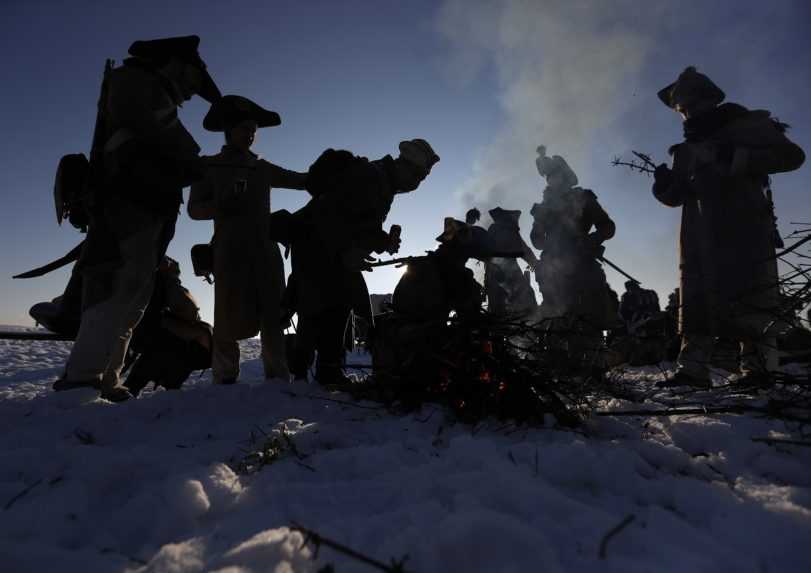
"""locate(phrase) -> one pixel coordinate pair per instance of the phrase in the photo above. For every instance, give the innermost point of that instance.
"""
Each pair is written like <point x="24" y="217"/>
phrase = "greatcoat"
<point x="248" y="267"/>
<point x="728" y="278"/>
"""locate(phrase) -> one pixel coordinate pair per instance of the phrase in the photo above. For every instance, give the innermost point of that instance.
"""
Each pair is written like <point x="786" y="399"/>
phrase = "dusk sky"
<point x="483" y="82"/>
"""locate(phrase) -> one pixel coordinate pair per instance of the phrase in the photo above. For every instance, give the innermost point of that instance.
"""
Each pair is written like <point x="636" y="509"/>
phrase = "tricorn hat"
<point x="556" y="164"/>
<point x="230" y="110"/>
<point x="159" y="52"/>
<point x="452" y="228"/>
<point x="500" y="215"/>
<point x="691" y="86"/>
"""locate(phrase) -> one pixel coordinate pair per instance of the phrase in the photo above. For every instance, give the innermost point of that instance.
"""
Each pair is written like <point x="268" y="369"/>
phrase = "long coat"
<point x="248" y="267"/>
<point x="727" y="240"/>
<point x="569" y="276"/>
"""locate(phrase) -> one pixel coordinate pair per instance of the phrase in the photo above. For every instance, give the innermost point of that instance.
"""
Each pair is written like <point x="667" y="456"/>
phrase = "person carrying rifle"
<point x="336" y="233"/>
<point x="139" y="167"/>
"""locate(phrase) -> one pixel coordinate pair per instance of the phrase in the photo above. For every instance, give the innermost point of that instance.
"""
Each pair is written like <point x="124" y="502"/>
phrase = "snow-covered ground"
<point x="146" y="486"/>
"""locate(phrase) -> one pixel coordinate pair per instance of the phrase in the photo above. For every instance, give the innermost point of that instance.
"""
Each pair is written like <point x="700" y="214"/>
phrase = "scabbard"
<point x="71" y="257"/>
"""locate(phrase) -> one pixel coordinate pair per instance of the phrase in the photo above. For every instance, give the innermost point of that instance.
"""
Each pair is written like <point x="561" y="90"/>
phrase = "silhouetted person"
<point x="337" y="232"/>
<point x="248" y="267"/>
<point x="148" y="157"/>
<point x="569" y="275"/>
<point x="170" y="341"/>
<point x="727" y="245"/>
<point x="509" y="291"/>
<point x="440" y="282"/>
<point x="638" y="303"/>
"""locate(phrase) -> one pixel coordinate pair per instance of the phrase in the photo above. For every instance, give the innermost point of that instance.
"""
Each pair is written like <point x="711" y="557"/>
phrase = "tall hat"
<point x="419" y="152"/>
<point x="690" y="87"/>
<point x="556" y="164"/>
<point x="500" y="215"/>
<point x="159" y="52"/>
<point x="230" y="110"/>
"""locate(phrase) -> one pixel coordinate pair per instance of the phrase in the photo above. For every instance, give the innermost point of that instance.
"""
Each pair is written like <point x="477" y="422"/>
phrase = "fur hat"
<point x="230" y="110"/>
<point x="556" y="164"/>
<point x="159" y="52"/>
<point x="690" y="87"/>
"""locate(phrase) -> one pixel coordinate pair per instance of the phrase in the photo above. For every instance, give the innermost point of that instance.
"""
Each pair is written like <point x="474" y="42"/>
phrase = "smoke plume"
<point x="564" y="69"/>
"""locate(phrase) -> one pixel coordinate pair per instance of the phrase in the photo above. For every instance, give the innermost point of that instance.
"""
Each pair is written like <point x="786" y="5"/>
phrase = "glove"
<point x="594" y="245"/>
<point x="394" y="244"/>
<point x="355" y="259"/>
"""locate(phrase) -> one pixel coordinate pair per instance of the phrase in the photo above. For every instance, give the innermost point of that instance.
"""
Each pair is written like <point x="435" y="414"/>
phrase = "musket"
<point x="616" y="268"/>
<point x="398" y="261"/>
<point x="405" y="260"/>
<point x="99" y="132"/>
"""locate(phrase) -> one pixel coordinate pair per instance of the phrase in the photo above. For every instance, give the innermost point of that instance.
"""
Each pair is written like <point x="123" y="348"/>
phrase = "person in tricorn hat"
<point x="720" y="177"/>
<point x="508" y="289"/>
<point x="338" y="230"/>
<point x="569" y="275"/>
<point x="248" y="268"/>
<point x="147" y="159"/>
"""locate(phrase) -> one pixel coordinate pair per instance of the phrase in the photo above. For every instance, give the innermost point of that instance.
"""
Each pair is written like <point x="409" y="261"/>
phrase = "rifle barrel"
<point x="619" y="270"/>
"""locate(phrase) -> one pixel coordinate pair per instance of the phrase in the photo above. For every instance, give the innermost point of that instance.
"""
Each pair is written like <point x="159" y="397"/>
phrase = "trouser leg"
<point x="330" y="344"/>
<point x="304" y="346"/>
<point x="695" y="355"/>
<point x="274" y="359"/>
<point x="106" y="327"/>
<point x="225" y="358"/>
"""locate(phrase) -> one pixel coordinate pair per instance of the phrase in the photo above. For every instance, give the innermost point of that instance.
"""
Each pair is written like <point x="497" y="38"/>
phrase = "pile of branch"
<point x="265" y="448"/>
<point x="485" y="366"/>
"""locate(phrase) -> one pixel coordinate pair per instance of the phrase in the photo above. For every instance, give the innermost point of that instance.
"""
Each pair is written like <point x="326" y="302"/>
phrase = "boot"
<point x="64" y="384"/>
<point x="116" y="394"/>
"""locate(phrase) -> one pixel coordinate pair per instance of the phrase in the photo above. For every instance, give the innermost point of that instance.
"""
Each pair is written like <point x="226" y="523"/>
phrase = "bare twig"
<point x="21" y="495"/>
<point x="310" y="536"/>
<point x="614" y="531"/>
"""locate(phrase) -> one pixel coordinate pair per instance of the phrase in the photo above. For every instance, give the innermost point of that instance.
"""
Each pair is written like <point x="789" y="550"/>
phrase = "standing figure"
<point x="638" y="303"/>
<point x="508" y="288"/>
<point x="248" y="267"/>
<point x="147" y="157"/>
<point x="570" y="277"/>
<point x="720" y="177"/>
<point x="335" y="233"/>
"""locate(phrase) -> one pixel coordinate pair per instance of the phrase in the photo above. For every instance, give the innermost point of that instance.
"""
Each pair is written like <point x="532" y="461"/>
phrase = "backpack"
<point x="325" y="174"/>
